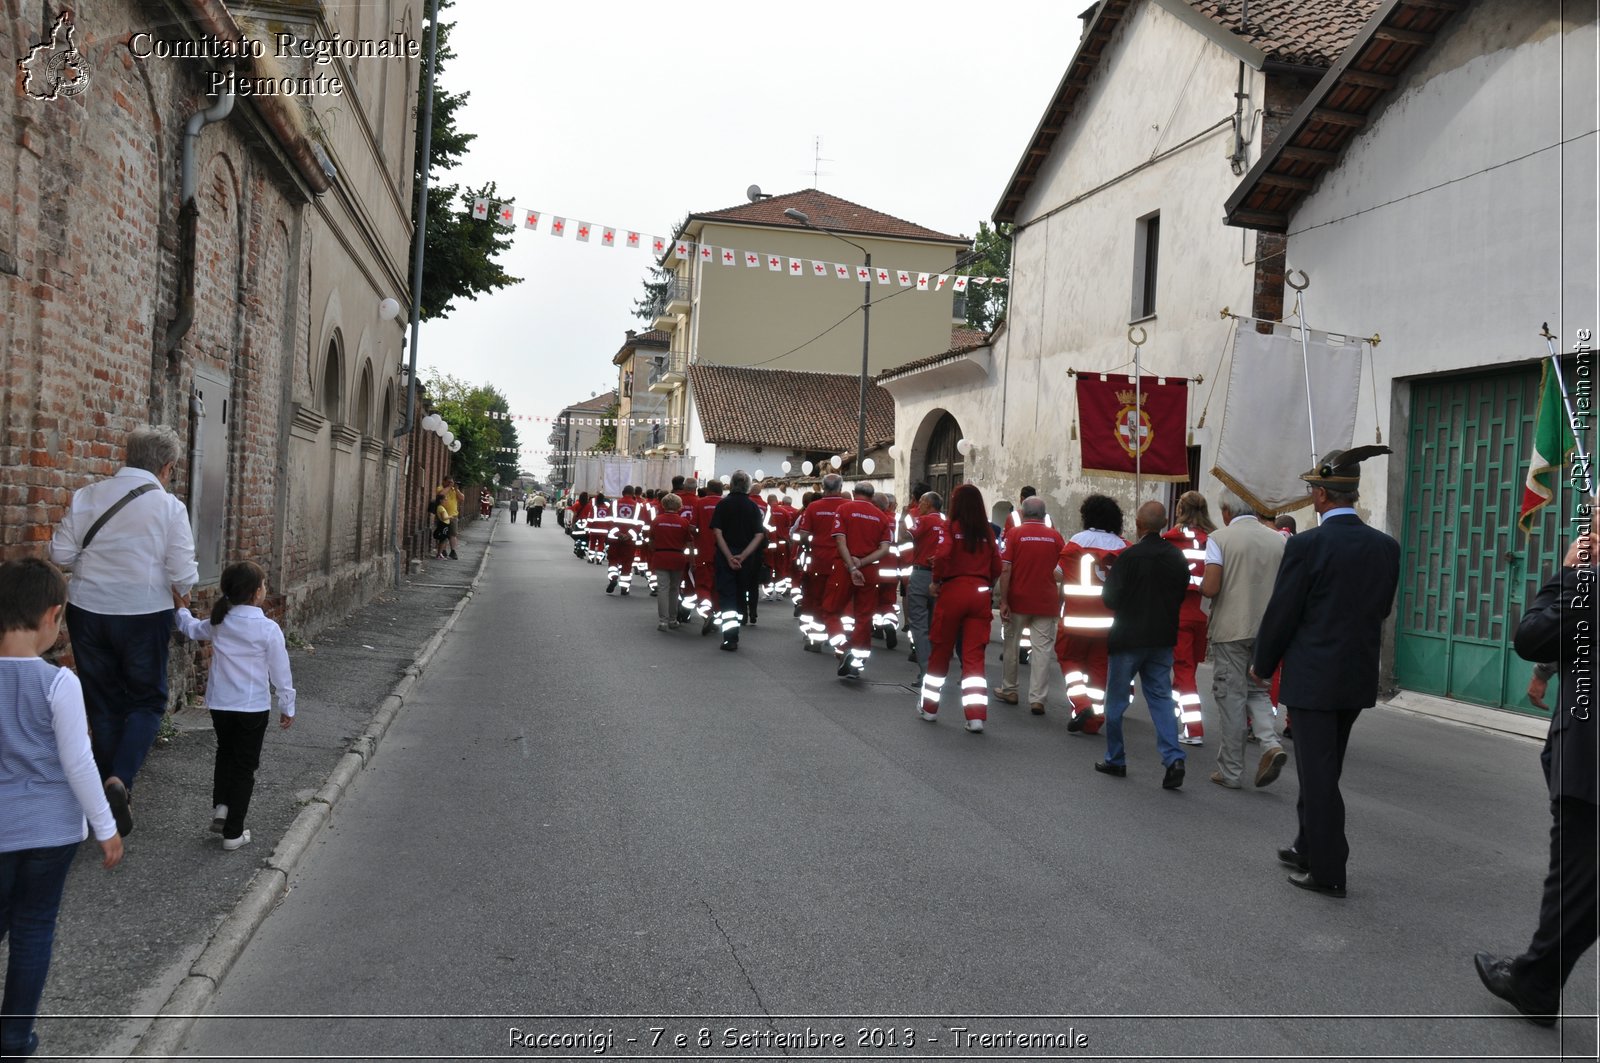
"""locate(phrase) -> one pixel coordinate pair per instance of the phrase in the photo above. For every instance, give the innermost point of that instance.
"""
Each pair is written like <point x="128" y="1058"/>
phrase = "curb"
<point x="165" y="1035"/>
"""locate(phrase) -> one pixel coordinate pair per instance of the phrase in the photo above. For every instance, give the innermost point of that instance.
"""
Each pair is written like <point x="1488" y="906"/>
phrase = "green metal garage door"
<point x="1466" y="569"/>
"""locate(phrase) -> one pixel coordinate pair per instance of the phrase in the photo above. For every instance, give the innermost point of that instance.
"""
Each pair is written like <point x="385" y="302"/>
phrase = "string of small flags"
<point x="589" y="422"/>
<point x="505" y="214"/>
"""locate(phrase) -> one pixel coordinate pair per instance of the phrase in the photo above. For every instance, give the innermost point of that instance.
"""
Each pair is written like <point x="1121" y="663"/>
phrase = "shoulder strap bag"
<point x="94" y="529"/>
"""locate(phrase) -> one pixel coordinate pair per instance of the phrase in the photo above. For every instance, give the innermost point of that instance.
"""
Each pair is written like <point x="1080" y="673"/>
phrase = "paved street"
<point x="576" y="815"/>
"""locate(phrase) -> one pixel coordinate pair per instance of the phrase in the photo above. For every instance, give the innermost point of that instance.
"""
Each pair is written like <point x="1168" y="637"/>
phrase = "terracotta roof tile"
<point x="830" y="212"/>
<point x="962" y="340"/>
<point x="654" y="338"/>
<point x="599" y="402"/>
<point x="1308" y="32"/>
<point x="785" y="408"/>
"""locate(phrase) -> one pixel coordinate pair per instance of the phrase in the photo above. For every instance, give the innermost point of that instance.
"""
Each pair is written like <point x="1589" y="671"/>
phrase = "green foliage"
<point x="608" y="433"/>
<point x="986" y="303"/>
<point x="657" y="287"/>
<point x="459" y="257"/>
<point x="466" y="409"/>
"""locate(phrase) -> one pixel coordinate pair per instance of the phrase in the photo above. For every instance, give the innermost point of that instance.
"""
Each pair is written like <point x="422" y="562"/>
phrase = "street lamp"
<point x="866" y="320"/>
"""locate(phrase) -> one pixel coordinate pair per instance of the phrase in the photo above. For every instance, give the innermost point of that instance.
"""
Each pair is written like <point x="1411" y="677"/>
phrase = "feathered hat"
<point x="1340" y="470"/>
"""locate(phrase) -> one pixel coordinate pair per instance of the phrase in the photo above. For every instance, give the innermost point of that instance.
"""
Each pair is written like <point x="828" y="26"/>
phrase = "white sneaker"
<point x="219" y="818"/>
<point x="1186" y="740"/>
<point x="975" y="726"/>
<point x="230" y="844"/>
<point x="926" y="715"/>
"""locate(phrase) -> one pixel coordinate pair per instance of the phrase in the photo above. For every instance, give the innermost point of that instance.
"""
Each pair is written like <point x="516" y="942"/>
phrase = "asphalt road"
<point x="581" y="828"/>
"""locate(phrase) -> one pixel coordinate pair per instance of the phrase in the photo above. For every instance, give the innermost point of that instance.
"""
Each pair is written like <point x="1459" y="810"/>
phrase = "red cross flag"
<point x="583" y="232"/>
<point x="633" y="239"/>
<point x="980" y="280"/>
<point x="507" y="215"/>
<point x="961" y="284"/>
<point x="796" y="267"/>
<point x="905" y="279"/>
<point x="530" y="219"/>
<point x="883" y="276"/>
<point x="658" y="245"/>
<point x="729" y="256"/>
<point x="863" y="274"/>
<point x="819" y="268"/>
<point x="683" y="249"/>
<point x="922" y="282"/>
<point x="558" y="226"/>
<point x="705" y="253"/>
<point x="752" y="259"/>
<point x="944" y="278"/>
<point x="841" y="271"/>
<point x="480" y="208"/>
<point x="608" y="237"/>
<point x="775" y="263"/>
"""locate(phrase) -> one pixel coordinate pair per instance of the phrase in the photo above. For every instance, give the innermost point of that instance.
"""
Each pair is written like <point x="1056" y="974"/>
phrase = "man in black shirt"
<point x="740" y="534"/>
<point x="1144" y="589"/>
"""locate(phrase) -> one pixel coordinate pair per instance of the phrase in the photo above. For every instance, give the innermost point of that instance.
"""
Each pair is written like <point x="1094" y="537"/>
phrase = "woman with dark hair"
<point x="965" y="566"/>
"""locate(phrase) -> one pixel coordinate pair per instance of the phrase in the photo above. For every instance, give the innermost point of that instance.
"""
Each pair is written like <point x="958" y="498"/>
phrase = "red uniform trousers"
<point x="620" y="554"/>
<point x="1083" y="666"/>
<point x="813" y="620"/>
<point x="1188" y="655"/>
<point x="859" y="603"/>
<point x="705" y="582"/>
<point x="964" y="607"/>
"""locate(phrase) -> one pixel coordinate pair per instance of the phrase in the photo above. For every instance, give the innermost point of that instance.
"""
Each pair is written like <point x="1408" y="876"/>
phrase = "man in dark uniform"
<point x="1560" y="625"/>
<point x="1324" y="625"/>
<point x="736" y="524"/>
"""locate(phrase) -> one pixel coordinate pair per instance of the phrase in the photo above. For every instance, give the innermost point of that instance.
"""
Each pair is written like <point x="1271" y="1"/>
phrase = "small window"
<point x="1146" y="255"/>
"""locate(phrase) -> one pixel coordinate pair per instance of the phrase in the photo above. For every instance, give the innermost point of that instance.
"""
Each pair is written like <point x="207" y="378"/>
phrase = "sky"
<point x="633" y="114"/>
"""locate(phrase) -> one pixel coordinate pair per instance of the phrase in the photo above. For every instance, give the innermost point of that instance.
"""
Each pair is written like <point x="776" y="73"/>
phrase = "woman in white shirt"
<point x="248" y="660"/>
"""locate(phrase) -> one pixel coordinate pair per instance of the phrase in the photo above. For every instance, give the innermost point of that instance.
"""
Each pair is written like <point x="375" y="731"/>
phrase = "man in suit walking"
<point x="1560" y="625"/>
<point x="1324" y="625"/>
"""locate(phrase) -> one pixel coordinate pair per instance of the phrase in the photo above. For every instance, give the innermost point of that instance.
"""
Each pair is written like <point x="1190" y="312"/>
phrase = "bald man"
<point x="1144" y="591"/>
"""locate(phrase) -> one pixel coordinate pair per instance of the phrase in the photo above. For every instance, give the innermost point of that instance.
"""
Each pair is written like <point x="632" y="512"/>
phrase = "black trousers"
<point x="1567" y="911"/>
<point x="239" y="736"/>
<point x="1320" y="738"/>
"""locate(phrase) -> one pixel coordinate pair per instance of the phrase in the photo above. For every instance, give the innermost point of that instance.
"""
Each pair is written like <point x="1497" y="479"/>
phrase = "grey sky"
<point x="631" y="114"/>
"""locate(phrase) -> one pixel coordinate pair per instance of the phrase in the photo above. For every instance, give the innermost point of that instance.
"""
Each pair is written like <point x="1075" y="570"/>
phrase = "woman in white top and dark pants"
<point x="248" y="659"/>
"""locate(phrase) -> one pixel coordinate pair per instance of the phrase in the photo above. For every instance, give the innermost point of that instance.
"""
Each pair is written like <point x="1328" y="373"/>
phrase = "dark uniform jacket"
<point x="1324" y="622"/>
<point x="1144" y="590"/>
<point x="1552" y="629"/>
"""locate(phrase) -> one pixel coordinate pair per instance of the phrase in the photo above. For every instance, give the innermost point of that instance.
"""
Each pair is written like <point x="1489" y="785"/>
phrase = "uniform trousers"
<point x="813" y="587"/>
<point x="1321" y="736"/>
<point x="964" y="610"/>
<point x="734" y="587"/>
<point x="1083" y="663"/>
<point x="1567" y="911"/>
<point x="919" y="614"/>
<point x="1187" y="656"/>
<point x="233" y="778"/>
<point x="620" y="557"/>
<point x="705" y="581"/>
<point x="861" y="603"/>
<point x="670" y="582"/>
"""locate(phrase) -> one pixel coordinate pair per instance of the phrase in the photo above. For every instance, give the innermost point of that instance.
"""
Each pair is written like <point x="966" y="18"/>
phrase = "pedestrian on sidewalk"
<point x="512" y="505"/>
<point x="127" y="543"/>
<point x="453" y="498"/>
<point x="966" y="563"/>
<point x="536" y="509"/>
<point x="1242" y="560"/>
<point x="248" y="661"/>
<point x="48" y="782"/>
<point x="1030" y="601"/>
<point x="1559" y="625"/>
<point x="737" y="525"/>
<point x="1144" y="591"/>
<point x="1324" y="625"/>
<point x="443" y="526"/>
<point x="671" y="534"/>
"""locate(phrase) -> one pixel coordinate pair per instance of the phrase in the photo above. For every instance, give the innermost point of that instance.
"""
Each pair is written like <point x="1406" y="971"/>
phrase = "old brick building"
<point x="246" y="316"/>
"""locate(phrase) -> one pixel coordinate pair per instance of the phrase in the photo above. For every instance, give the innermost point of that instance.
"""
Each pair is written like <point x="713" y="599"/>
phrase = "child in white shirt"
<point x="248" y="654"/>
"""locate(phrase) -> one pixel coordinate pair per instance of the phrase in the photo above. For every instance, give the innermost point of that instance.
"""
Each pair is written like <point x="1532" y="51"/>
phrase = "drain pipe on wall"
<point x="189" y="214"/>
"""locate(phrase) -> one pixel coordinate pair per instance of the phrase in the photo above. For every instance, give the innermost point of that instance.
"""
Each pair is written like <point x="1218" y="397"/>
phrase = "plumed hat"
<point x="1340" y="470"/>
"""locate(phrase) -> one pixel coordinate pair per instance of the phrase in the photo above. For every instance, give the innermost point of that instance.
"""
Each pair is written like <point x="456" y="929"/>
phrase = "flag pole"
<point x="1566" y="402"/>
<point x="1136" y="430"/>
<point x="1305" y="353"/>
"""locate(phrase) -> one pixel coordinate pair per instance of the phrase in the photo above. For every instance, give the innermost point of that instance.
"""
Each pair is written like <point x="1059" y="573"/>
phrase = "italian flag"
<point x="1553" y="443"/>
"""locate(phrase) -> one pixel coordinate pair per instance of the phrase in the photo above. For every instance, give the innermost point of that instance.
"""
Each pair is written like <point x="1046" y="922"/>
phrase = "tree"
<point x="608" y="434"/>
<point x="986" y="303"/>
<point x="488" y="444"/>
<point x="460" y="251"/>
<point x="657" y="286"/>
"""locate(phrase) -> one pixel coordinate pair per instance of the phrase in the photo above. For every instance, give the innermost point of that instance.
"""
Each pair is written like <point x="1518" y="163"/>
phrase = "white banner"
<point x="1265" y="441"/>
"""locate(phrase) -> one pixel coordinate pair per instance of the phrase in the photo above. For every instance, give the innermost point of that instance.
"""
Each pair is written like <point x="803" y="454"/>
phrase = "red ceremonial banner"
<point x="1116" y="426"/>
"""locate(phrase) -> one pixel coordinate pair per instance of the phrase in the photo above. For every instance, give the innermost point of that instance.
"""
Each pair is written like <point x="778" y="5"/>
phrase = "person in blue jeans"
<point x="48" y="780"/>
<point x="1144" y="590"/>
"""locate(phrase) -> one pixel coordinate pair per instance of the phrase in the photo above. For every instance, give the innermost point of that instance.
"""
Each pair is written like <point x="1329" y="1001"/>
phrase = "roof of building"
<point x="1298" y="32"/>
<point x="1315" y="137"/>
<point x="785" y="408"/>
<point x="655" y="338"/>
<point x="829" y="212"/>
<point x="962" y="340"/>
<point x="600" y="402"/>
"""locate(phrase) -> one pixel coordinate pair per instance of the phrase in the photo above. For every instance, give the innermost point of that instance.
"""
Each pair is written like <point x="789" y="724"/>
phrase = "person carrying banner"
<point x="1085" y="620"/>
<point x="1191" y="524"/>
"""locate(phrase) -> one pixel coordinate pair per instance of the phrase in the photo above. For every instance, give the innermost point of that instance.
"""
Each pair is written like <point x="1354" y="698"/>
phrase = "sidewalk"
<point x="127" y="938"/>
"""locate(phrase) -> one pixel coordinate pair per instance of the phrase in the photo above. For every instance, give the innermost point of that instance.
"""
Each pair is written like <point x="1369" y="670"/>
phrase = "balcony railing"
<point x="666" y="377"/>
<point x="680" y="294"/>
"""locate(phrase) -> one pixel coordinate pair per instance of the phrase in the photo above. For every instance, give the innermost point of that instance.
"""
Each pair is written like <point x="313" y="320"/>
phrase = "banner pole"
<point x="1136" y="430"/>
<point x="1305" y="353"/>
<point x="1566" y="402"/>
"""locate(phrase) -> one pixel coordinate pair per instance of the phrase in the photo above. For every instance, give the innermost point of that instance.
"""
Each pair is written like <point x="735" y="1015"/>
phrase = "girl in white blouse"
<point x="248" y="661"/>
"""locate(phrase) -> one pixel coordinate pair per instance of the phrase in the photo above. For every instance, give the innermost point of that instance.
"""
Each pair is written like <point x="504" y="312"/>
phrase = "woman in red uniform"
<point x="965" y="566"/>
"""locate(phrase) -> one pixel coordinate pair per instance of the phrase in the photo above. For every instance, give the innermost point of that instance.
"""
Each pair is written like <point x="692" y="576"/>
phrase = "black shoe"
<point x="751" y="619"/>
<point x="890" y="639"/>
<point x="1117" y="771"/>
<point x="1023" y="656"/>
<point x="1292" y="857"/>
<point x="453" y="556"/>
<point x="1076" y="722"/>
<point x="797" y="610"/>
<point x="1495" y="973"/>
<point x="611" y="586"/>
<point x="705" y="629"/>
<point x="911" y="654"/>
<point x="1304" y="880"/>
<point x="1174" y="777"/>
<point x="655" y="594"/>
<point x="730" y="646"/>
<point x="1288" y="733"/>
<point x="117" y="798"/>
<point x="625" y="592"/>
